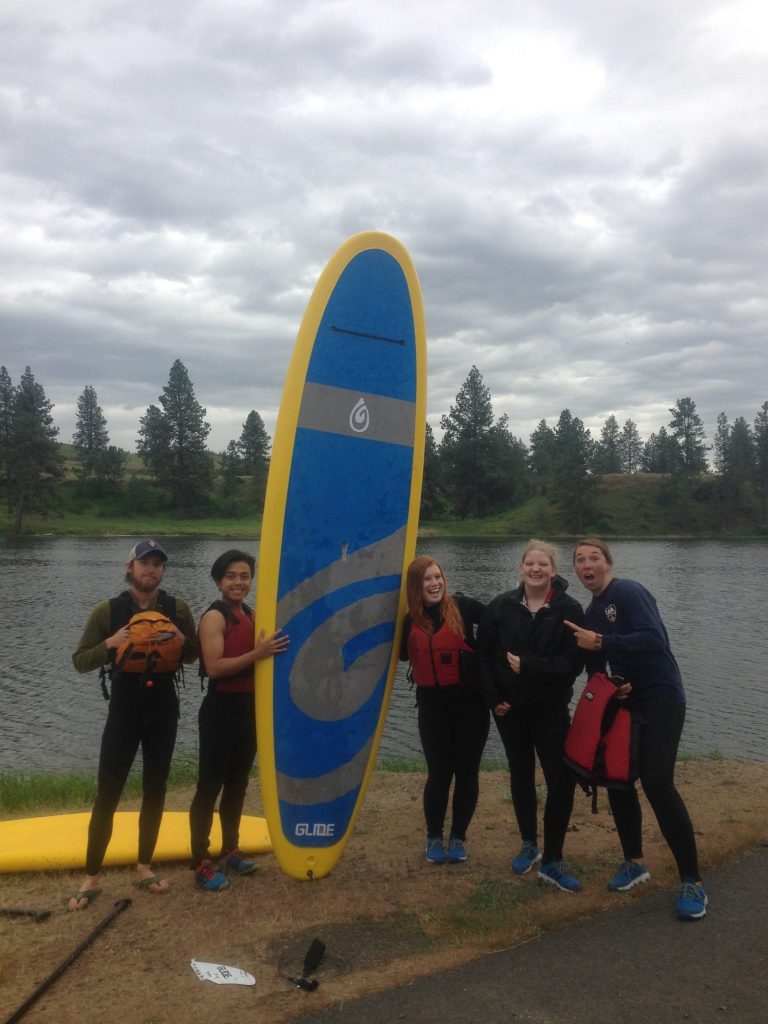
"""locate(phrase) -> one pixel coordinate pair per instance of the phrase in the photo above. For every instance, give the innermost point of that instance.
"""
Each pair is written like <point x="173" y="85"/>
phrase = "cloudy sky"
<point x="583" y="188"/>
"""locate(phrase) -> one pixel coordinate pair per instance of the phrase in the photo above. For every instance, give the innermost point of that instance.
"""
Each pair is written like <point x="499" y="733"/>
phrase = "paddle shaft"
<point x="39" y="915"/>
<point x="19" y="1013"/>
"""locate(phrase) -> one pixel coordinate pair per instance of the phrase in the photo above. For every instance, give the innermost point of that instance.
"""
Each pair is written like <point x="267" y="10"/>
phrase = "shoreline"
<point x="60" y="791"/>
<point x="425" y="533"/>
<point x="385" y="915"/>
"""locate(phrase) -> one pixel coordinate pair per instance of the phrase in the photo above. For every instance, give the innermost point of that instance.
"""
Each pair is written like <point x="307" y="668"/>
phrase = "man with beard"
<point x="143" y="711"/>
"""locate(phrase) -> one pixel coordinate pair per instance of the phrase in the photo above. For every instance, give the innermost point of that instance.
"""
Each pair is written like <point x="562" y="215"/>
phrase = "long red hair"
<point x="414" y="591"/>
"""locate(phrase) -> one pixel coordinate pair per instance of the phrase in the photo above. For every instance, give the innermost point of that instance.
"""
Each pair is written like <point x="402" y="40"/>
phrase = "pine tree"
<point x="34" y="464"/>
<point x="172" y="443"/>
<point x="608" y="457"/>
<point x="91" y="438"/>
<point x="465" y="450"/>
<point x="741" y="461"/>
<point x="541" y="457"/>
<point x="735" y="465"/>
<point x="253" y="446"/>
<point x="507" y="483"/>
<point x="7" y="393"/>
<point x="433" y="500"/>
<point x="231" y="469"/>
<point x="720" y="444"/>
<point x="630" y="447"/>
<point x="760" y="439"/>
<point x="688" y="433"/>
<point x="111" y="465"/>
<point x="660" y="453"/>
<point x="574" y="482"/>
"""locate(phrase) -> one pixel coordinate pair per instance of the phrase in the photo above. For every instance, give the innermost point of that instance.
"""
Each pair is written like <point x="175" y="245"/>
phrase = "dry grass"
<point x="385" y="916"/>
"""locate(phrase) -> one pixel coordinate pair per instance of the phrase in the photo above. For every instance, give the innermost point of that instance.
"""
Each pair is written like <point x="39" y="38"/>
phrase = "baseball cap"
<point x="147" y="547"/>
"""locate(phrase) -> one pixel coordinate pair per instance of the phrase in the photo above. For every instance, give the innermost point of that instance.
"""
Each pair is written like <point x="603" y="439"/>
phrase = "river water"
<point x="712" y="596"/>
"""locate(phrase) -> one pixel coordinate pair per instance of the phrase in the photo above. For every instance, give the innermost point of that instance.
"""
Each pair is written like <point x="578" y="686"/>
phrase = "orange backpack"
<point x="153" y="645"/>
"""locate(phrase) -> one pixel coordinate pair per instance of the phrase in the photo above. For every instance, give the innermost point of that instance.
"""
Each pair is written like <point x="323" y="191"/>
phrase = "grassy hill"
<point x="641" y="505"/>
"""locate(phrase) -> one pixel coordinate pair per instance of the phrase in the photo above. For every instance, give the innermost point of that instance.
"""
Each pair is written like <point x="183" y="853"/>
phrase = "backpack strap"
<point x="121" y="609"/>
<point x="166" y="603"/>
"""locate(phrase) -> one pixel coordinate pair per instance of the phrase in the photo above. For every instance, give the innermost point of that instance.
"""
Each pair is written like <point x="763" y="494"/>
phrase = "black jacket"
<point x="550" y="659"/>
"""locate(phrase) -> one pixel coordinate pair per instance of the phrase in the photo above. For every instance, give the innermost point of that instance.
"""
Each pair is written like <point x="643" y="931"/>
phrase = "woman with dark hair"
<point x="623" y="632"/>
<point x="438" y="640"/>
<point x="229" y="648"/>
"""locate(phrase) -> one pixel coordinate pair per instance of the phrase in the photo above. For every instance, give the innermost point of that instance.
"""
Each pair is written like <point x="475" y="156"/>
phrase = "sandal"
<point x="89" y="895"/>
<point x="146" y="885"/>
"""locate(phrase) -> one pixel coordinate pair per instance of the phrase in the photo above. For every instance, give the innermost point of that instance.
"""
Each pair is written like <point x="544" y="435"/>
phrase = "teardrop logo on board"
<point x="359" y="418"/>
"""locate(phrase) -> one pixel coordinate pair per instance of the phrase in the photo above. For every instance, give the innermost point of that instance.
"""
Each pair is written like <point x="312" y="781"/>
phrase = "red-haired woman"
<point x="438" y="640"/>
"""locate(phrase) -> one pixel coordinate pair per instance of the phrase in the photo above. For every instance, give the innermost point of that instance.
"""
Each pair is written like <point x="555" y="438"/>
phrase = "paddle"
<point x="18" y="1014"/>
<point x="39" y="915"/>
<point x="314" y="955"/>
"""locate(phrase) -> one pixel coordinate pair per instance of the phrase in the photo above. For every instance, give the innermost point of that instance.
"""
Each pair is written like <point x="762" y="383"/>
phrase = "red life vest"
<point x="602" y="742"/>
<point x="239" y="638"/>
<point x="434" y="657"/>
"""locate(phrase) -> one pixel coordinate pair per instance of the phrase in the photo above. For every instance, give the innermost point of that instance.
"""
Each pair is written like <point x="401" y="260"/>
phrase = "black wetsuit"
<point x="538" y="718"/>
<point x="453" y="728"/>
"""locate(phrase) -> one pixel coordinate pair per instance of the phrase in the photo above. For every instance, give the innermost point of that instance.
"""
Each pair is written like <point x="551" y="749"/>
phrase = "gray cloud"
<point x="582" y="191"/>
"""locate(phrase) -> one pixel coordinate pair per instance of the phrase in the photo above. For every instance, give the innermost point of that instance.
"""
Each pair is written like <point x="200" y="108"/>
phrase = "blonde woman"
<point x="528" y="663"/>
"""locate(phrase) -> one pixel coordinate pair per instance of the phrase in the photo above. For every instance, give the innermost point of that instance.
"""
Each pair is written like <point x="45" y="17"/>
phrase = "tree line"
<point x="478" y="468"/>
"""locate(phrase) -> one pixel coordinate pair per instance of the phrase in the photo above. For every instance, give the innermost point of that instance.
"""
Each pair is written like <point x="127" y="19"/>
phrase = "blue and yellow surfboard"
<point x="339" y="528"/>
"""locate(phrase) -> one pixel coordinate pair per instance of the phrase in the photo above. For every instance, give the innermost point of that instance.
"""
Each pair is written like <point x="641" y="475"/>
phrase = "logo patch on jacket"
<point x="610" y="612"/>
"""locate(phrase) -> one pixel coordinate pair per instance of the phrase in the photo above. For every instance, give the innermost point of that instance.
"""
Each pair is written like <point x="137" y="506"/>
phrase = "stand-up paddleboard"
<point x="58" y="841"/>
<point x="340" y="520"/>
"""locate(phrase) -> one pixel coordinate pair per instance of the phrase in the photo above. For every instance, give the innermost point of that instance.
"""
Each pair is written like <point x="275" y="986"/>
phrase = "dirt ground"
<point x="384" y="914"/>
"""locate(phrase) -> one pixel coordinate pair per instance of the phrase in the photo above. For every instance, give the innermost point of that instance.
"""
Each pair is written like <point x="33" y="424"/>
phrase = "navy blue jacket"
<point x="635" y="641"/>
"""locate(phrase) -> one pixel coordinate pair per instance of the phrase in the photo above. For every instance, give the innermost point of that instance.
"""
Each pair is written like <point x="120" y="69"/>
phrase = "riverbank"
<point x="249" y="528"/>
<point x="641" y="506"/>
<point x="385" y="916"/>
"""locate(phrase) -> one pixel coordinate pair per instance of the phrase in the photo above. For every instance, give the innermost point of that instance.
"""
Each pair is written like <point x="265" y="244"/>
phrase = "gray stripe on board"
<point x="320" y="685"/>
<point x="382" y="558"/>
<point x="357" y="414"/>
<point x="325" y="788"/>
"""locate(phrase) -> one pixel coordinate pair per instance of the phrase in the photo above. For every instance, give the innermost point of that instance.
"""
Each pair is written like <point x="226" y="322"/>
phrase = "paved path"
<point x="634" y="965"/>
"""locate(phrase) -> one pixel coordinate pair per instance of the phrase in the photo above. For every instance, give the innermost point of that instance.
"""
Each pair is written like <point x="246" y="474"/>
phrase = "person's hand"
<point x="501" y="709"/>
<point x="120" y="637"/>
<point x="623" y="691"/>
<point x="586" y="639"/>
<point x="266" y="646"/>
<point x="513" y="660"/>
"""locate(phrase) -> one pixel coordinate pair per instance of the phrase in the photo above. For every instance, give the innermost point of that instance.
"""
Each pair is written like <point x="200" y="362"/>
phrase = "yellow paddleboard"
<point x="58" y="841"/>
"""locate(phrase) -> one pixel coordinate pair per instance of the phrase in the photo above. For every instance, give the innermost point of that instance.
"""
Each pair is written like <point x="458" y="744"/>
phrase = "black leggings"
<point x="660" y="733"/>
<point x="227" y="752"/>
<point x="139" y="715"/>
<point x="453" y="727"/>
<point x="524" y="735"/>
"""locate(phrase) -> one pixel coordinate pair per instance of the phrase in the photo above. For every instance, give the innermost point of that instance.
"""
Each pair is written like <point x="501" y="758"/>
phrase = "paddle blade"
<point x="314" y="955"/>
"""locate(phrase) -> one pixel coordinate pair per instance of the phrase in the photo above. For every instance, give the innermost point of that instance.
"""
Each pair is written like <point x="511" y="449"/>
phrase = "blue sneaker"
<point x="692" y="903"/>
<point x="235" y="863"/>
<point x="457" y="851"/>
<point x="556" y="874"/>
<point x="208" y="878"/>
<point x="433" y="851"/>
<point x="628" y="876"/>
<point x="524" y="861"/>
